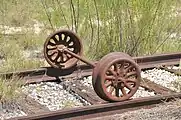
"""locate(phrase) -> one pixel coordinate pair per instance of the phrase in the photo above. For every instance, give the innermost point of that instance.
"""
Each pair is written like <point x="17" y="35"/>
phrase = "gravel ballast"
<point x="162" y="77"/>
<point x="10" y="110"/>
<point x="141" y="92"/>
<point x="53" y="95"/>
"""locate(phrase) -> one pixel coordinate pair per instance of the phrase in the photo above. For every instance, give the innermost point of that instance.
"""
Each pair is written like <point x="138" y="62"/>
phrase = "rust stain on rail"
<point x="102" y="109"/>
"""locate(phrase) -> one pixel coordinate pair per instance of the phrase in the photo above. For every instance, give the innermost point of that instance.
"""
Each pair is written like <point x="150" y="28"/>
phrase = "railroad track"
<point x="115" y="78"/>
<point x="102" y="107"/>
<point x="50" y="73"/>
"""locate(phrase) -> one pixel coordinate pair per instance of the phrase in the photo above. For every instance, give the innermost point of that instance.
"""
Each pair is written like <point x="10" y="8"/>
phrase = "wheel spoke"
<point x="68" y="55"/>
<point x="131" y="80"/>
<point x="61" y="58"/>
<point x="117" y="91"/>
<point x="51" y="44"/>
<point x="51" y="54"/>
<point x="111" y="90"/>
<point x="131" y="73"/>
<point x="65" y="58"/>
<point x="127" y="86"/>
<point x="128" y="68"/>
<point x="121" y="68"/>
<point x="107" y="84"/>
<point x="53" y="48"/>
<point x="112" y="72"/>
<point x="123" y="91"/>
<point x="56" y="58"/>
<point x="52" y="51"/>
<point x="109" y="77"/>
<point x="55" y="39"/>
<point x="116" y="67"/>
<point x="69" y="41"/>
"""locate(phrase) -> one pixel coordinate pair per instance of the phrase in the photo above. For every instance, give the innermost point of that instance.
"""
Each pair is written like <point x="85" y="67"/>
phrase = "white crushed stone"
<point x="87" y="81"/>
<point x="10" y="111"/>
<point x="141" y="92"/>
<point x="53" y="95"/>
<point x="162" y="77"/>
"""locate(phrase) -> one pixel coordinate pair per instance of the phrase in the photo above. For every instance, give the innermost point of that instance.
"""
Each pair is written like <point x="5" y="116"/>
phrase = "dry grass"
<point x="10" y="88"/>
<point x="14" y="58"/>
<point x="137" y="27"/>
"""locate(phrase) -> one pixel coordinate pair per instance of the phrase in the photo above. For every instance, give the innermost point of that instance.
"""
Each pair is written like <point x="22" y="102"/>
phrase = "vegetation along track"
<point x="53" y="74"/>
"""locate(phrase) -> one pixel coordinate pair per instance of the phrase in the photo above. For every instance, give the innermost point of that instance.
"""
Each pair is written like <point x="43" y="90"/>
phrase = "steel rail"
<point x="53" y="74"/>
<point x="158" y="60"/>
<point x="102" y="109"/>
<point x="145" y="62"/>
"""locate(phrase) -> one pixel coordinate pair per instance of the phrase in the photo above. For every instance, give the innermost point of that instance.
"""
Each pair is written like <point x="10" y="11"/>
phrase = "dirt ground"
<point x="165" y="111"/>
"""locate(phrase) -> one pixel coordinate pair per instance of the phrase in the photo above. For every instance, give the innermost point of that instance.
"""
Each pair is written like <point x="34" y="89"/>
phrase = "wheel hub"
<point x="60" y="47"/>
<point x="119" y="79"/>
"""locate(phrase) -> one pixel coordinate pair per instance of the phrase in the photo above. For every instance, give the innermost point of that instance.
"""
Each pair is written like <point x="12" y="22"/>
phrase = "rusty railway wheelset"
<point x="116" y="77"/>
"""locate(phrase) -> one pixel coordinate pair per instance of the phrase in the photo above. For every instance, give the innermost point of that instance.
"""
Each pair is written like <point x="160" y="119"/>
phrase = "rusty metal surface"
<point x="102" y="109"/>
<point x="144" y="62"/>
<point x="117" y="78"/>
<point x="30" y="106"/>
<point x="54" y="74"/>
<point x="54" y="45"/>
<point x="47" y="71"/>
<point x="158" y="89"/>
<point x="85" y="92"/>
<point x="79" y="57"/>
<point x="24" y="73"/>
<point x="158" y="60"/>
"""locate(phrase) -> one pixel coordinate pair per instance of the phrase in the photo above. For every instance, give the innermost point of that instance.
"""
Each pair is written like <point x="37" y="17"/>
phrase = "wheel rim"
<point x="96" y="70"/>
<point x="105" y="58"/>
<point x="120" y="79"/>
<point x="53" y="49"/>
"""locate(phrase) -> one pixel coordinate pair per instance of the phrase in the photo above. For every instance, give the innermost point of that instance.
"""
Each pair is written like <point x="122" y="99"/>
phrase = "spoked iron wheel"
<point x="96" y="69"/>
<point x="54" y="45"/>
<point x="117" y="79"/>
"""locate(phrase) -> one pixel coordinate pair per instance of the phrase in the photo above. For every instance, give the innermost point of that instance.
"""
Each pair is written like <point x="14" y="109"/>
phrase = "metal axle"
<point x="78" y="57"/>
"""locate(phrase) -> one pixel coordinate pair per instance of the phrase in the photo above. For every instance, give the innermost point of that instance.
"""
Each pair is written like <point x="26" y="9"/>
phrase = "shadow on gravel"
<point x="56" y="72"/>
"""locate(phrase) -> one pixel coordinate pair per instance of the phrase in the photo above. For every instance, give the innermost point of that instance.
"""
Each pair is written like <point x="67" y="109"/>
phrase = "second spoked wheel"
<point x="116" y="77"/>
<point x="55" y="45"/>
